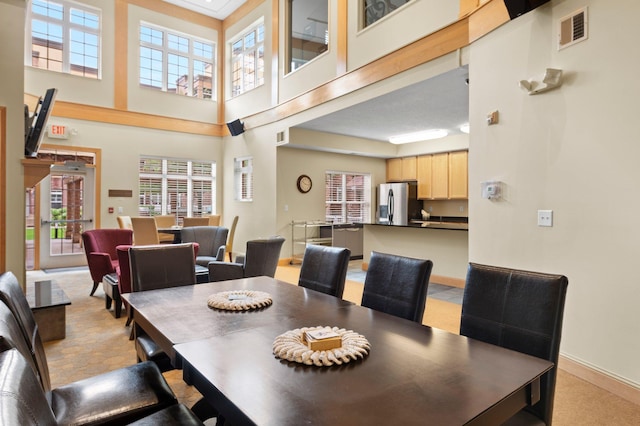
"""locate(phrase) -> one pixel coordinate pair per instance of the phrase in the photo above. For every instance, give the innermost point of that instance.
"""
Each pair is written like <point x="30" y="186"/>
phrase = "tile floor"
<point x="436" y="291"/>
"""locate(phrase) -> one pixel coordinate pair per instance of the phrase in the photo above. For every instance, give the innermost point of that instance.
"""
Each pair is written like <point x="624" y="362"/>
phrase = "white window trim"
<point x="66" y="31"/>
<point x="190" y="55"/>
<point x="237" y="178"/>
<point x="366" y="203"/>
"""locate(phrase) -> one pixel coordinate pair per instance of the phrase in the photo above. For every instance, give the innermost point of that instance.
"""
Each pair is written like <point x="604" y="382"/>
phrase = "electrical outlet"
<point x="545" y="217"/>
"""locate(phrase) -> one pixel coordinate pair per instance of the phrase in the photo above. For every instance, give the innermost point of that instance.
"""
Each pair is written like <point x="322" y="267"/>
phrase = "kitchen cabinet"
<point x="349" y="237"/>
<point x="423" y="173"/>
<point x="458" y="175"/>
<point x="440" y="176"/>
<point x="443" y="176"/>
<point x="401" y="169"/>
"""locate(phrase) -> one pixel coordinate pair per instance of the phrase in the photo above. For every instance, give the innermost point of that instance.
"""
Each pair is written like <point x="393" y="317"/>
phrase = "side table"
<point x="48" y="303"/>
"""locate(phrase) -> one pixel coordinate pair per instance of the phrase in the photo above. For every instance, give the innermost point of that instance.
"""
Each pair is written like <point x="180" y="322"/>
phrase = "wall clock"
<point x="304" y="184"/>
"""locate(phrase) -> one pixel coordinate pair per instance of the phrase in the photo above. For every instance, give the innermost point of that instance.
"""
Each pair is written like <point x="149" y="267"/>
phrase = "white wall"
<point x="573" y="150"/>
<point x="413" y="21"/>
<point x="11" y="96"/>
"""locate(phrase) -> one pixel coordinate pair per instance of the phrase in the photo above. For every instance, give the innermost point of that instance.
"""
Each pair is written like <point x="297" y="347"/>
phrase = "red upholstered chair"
<point x="100" y="248"/>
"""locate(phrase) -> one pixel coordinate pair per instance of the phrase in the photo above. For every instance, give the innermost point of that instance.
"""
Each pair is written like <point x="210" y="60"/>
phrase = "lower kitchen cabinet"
<point x="350" y="237"/>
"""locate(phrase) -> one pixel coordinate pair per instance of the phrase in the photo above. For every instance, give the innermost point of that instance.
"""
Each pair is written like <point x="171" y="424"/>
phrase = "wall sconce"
<point x="552" y="79"/>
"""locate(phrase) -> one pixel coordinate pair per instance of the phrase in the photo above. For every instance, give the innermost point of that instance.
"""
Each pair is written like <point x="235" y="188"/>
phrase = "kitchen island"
<point x="446" y="244"/>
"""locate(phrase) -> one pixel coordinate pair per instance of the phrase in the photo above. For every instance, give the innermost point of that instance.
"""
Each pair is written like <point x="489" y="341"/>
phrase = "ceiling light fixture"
<point x="464" y="128"/>
<point x="424" y="135"/>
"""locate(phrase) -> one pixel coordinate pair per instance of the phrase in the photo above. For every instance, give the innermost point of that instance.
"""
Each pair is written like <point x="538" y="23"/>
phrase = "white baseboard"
<point x="601" y="379"/>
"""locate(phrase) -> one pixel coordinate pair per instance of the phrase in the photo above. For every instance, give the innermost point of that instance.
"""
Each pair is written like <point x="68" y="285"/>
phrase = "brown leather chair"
<point x="397" y="285"/>
<point x="211" y="241"/>
<point x="119" y="396"/>
<point x="522" y="311"/>
<point x="261" y="258"/>
<point x="324" y="269"/>
<point x="100" y="249"/>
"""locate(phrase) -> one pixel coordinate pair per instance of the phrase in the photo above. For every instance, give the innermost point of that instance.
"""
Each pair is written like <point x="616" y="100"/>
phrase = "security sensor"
<point x="552" y="79"/>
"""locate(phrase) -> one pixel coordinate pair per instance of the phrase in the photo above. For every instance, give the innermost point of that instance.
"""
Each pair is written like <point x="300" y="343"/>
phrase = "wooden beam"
<point x="113" y="116"/>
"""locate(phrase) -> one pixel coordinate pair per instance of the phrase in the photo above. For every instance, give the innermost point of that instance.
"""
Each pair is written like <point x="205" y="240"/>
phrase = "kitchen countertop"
<point x="452" y="226"/>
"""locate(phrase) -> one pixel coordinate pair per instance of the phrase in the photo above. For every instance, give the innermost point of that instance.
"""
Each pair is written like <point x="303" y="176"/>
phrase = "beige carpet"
<point x="97" y="342"/>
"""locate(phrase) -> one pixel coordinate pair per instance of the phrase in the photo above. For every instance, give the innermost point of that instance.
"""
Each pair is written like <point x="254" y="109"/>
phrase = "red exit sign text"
<point x="58" y="131"/>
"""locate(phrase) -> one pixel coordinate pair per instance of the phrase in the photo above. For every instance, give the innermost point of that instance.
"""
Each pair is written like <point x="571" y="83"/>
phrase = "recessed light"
<point x="424" y="135"/>
<point x="464" y="128"/>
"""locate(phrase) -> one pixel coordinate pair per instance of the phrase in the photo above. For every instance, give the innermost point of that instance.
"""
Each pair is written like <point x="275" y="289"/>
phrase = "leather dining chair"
<point x="397" y="285"/>
<point x="156" y="267"/>
<point x="100" y="250"/>
<point x="165" y="221"/>
<point x="195" y="221"/>
<point x="522" y="311"/>
<point x="145" y="230"/>
<point x="232" y="234"/>
<point x="261" y="258"/>
<point x="124" y="222"/>
<point x="324" y="269"/>
<point x="117" y="397"/>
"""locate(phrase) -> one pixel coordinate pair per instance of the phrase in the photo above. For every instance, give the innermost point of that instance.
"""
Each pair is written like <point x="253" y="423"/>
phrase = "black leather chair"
<point x="324" y="269"/>
<point x="116" y="397"/>
<point x="397" y="285"/>
<point x="211" y="239"/>
<point x="261" y="258"/>
<point x="518" y="310"/>
<point x="155" y="267"/>
<point x="24" y="402"/>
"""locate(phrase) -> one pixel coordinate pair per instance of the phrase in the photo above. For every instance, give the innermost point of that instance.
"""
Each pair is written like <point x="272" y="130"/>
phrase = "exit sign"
<point x="58" y="131"/>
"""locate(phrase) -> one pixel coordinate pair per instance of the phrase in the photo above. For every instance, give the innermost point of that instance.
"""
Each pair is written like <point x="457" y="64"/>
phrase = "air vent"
<point x="282" y="138"/>
<point x="573" y="29"/>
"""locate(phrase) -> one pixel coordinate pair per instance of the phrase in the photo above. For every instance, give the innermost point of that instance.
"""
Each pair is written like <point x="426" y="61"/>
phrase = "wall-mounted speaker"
<point x="236" y="127"/>
<point x="519" y="7"/>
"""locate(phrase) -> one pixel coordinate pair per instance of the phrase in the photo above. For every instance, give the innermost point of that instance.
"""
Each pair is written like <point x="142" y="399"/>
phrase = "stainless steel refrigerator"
<point x="397" y="203"/>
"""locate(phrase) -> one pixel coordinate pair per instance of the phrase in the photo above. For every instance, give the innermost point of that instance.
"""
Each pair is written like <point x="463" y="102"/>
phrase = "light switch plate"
<point x="545" y="217"/>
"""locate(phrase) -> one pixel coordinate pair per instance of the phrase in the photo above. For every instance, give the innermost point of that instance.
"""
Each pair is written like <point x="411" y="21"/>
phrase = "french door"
<point x="66" y="210"/>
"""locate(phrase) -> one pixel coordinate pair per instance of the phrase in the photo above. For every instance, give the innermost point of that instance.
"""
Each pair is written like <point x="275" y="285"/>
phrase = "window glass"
<point x="308" y="31"/>
<point x="243" y="176"/>
<point x="65" y="37"/>
<point x="178" y="187"/>
<point x="347" y="197"/>
<point x="247" y="60"/>
<point x="176" y="63"/>
<point x="377" y="9"/>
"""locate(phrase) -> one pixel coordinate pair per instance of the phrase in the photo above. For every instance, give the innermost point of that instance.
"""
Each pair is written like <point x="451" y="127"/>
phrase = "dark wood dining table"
<point x="414" y="374"/>
<point x="176" y="231"/>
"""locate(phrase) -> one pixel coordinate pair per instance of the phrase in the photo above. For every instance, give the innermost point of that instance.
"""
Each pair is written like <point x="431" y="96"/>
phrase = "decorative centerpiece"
<point x="239" y="300"/>
<point x="321" y="346"/>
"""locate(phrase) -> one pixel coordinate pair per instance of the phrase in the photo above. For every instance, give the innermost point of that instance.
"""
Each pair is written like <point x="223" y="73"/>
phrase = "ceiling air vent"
<point x="573" y="28"/>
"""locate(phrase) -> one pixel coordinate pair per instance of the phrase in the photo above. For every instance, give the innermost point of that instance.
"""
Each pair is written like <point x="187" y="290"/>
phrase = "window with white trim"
<point x="65" y="37"/>
<point x="247" y="61"/>
<point x="307" y="34"/>
<point x="176" y="63"/>
<point x="243" y="177"/>
<point x="184" y="188"/>
<point x="347" y="197"/>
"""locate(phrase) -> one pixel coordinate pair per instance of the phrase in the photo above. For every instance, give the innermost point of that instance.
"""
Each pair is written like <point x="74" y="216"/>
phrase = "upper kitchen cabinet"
<point x="401" y="169"/>
<point x="458" y="175"/>
<point x="443" y="176"/>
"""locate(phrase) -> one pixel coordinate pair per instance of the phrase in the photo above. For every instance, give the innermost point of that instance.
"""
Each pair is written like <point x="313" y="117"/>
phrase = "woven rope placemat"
<point x="239" y="300"/>
<point x="291" y="346"/>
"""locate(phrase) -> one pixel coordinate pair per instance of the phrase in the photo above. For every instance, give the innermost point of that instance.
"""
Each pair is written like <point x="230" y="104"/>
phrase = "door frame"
<point x="97" y="152"/>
